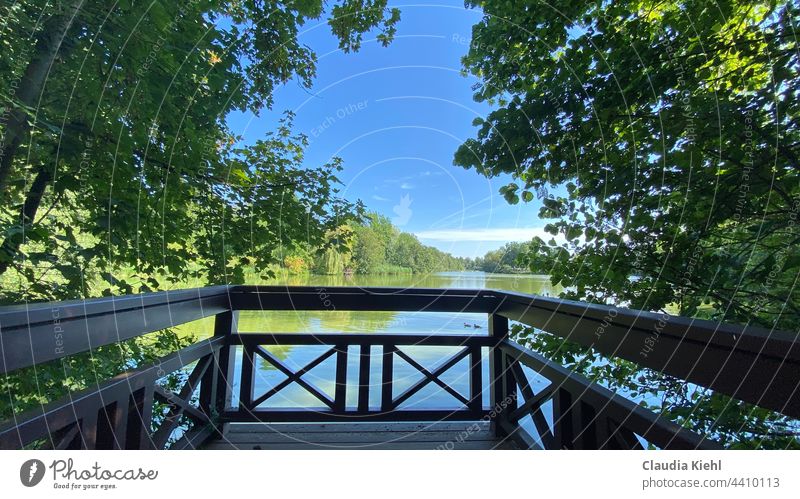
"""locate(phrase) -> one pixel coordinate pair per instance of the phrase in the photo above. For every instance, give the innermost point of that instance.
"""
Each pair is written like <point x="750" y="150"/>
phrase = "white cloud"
<point x="499" y="234"/>
<point x="406" y="185"/>
<point x="379" y="198"/>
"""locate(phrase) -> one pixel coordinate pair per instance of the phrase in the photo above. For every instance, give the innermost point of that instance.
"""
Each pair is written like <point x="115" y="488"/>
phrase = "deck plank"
<point x="384" y="436"/>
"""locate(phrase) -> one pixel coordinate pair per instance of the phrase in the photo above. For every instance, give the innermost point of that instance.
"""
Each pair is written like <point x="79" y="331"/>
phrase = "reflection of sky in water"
<point x="322" y="377"/>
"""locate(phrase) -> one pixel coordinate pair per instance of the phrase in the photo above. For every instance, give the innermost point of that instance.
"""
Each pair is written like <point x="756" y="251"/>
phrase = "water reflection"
<point x="322" y="376"/>
<point x="326" y="321"/>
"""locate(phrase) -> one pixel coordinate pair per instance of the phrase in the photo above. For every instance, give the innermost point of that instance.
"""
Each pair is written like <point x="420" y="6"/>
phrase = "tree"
<point x="404" y="250"/>
<point x="336" y="253"/>
<point x="672" y="129"/>
<point x="380" y="248"/>
<point x="383" y="228"/>
<point x="505" y="259"/>
<point x="295" y="264"/>
<point x="661" y="139"/>
<point x="369" y="251"/>
<point x="117" y="165"/>
<point x="115" y="149"/>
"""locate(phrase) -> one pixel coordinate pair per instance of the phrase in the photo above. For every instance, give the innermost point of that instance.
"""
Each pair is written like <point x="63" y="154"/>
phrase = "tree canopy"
<point x="661" y="139"/>
<point x="504" y="260"/>
<point x="118" y="170"/>
<point x="116" y="158"/>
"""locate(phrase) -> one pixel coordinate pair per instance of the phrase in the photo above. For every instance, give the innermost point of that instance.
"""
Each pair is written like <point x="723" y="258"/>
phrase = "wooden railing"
<point x="469" y="347"/>
<point x="758" y="366"/>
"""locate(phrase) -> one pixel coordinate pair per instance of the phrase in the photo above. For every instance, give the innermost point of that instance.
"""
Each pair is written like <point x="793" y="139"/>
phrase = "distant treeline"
<point x="375" y="246"/>
<point x="503" y="260"/>
<point x="372" y="247"/>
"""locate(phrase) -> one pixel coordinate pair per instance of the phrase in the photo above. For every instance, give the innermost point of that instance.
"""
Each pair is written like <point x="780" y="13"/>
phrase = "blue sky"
<point x="396" y="115"/>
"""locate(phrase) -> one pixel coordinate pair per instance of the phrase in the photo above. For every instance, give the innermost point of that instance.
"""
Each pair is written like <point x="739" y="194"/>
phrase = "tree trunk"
<point x="33" y="200"/>
<point x="31" y="85"/>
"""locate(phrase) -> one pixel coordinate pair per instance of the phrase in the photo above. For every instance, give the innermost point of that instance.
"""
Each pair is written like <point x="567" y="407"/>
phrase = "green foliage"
<point x="386" y="250"/>
<point x="336" y="254"/>
<point x="375" y="246"/>
<point x="389" y="269"/>
<point x="350" y="20"/>
<point x="673" y="128"/>
<point x="505" y="260"/>
<point x="34" y="386"/>
<point x="118" y="172"/>
<point x="369" y="252"/>
<point x="669" y="131"/>
<point x="330" y="262"/>
<point x="128" y="162"/>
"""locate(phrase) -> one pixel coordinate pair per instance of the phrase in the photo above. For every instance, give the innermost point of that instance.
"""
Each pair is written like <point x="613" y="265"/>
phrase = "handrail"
<point x="749" y="363"/>
<point x="366" y="298"/>
<point x="755" y="365"/>
<point x="39" y="332"/>
<point x="749" y="338"/>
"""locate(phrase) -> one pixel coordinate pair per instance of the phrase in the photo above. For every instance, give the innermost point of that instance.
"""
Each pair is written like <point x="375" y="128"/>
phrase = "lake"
<point x="405" y="375"/>
<point x="344" y="321"/>
<point x="388" y="322"/>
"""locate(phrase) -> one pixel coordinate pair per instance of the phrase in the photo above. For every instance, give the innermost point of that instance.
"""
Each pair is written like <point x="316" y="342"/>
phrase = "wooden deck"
<point x="467" y="435"/>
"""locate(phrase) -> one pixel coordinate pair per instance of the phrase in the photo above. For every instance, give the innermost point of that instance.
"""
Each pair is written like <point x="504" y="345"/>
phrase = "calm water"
<point x="405" y="375"/>
<point x="389" y="322"/>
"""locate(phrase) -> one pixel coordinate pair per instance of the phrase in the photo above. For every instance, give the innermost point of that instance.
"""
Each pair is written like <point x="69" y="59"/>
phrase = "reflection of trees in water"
<point x="532" y="284"/>
<point x="346" y="321"/>
<point x="377" y="280"/>
<point x="336" y="321"/>
<point x="281" y="352"/>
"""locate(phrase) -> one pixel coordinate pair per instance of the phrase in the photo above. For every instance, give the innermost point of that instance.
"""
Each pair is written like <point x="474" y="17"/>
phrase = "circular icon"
<point x="31" y="472"/>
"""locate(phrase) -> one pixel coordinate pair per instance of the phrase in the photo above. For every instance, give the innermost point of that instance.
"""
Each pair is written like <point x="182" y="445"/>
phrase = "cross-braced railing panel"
<point x="179" y="406"/>
<point x="584" y="415"/>
<point x="118" y="414"/>
<point x="249" y="401"/>
<point x="376" y="357"/>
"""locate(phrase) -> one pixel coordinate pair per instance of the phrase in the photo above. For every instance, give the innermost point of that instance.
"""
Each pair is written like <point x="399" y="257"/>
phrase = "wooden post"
<point x="140" y="416"/>
<point x="248" y="374"/>
<point x="585" y="421"/>
<point x="216" y="388"/>
<point x="226" y="325"/>
<point x="502" y="388"/>
<point x="111" y="422"/>
<point x="563" y="419"/>
<point x="475" y="380"/>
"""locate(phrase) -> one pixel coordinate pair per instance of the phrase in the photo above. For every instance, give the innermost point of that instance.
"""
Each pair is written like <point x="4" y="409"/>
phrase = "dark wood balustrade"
<point x="751" y="364"/>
